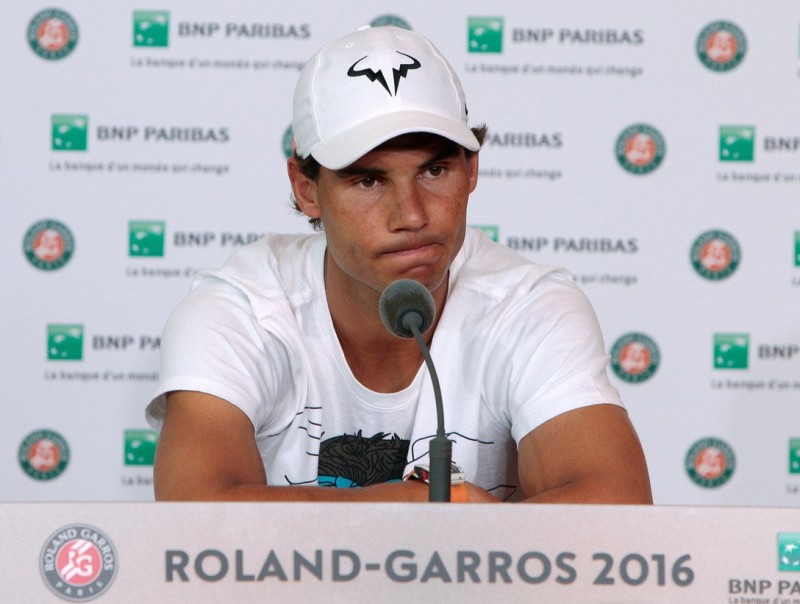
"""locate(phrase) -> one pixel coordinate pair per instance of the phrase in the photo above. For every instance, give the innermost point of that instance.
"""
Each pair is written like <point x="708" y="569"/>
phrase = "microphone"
<point x="407" y="310"/>
<point x="406" y="302"/>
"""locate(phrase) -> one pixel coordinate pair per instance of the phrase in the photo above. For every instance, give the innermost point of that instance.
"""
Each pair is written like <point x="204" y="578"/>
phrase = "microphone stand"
<point x="440" y="449"/>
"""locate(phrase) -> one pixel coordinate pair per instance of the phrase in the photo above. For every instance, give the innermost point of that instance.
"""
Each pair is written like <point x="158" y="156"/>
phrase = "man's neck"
<point x="378" y="359"/>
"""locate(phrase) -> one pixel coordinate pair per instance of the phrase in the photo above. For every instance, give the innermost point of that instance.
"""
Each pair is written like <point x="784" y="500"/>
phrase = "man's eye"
<point x="368" y="182"/>
<point x="436" y="170"/>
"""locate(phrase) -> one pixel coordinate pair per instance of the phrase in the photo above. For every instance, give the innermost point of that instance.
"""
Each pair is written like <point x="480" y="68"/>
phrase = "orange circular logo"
<point x="52" y="34"/>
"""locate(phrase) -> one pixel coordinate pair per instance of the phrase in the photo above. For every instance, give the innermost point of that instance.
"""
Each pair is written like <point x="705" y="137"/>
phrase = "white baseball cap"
<point x="373" y="85"/>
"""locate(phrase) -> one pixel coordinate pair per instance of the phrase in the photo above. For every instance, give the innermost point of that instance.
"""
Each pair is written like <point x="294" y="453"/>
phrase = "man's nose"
<point x="408" y="207"/>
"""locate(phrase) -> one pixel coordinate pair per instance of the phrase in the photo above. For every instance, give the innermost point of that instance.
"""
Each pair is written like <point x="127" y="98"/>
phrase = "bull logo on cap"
<point x="384" y="63"/>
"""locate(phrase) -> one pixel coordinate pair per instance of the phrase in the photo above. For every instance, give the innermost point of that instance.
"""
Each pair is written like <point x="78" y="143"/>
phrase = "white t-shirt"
<point x="517" y="344"/>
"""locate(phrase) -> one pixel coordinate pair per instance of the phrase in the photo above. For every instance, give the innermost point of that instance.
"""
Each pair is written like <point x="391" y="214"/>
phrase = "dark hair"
<point x="309" y="167"/>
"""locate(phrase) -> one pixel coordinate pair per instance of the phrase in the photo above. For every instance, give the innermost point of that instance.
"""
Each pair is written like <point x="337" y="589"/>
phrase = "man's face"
<point x="398" y="212"/>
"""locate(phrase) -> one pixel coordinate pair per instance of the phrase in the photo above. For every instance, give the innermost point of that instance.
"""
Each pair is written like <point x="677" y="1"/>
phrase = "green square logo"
<point x="789" y="551"/>
<point x="65" y="342"/>
<point x="151" y="28"/>
<point x="485" y="34"/>
<point x="797" y="248"/>
<point x="140" y="447"/>
<point x="69" y="132"/>
<point x="794" y="456"/>
<point x="146" y="238"/>
<point x="737" y="143"/>
<point x="492" y="231"/>
<point x="731" y="350"/>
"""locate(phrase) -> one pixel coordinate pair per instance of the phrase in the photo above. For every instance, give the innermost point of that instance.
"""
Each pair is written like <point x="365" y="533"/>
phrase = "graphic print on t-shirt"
<point x="352" y="460"/>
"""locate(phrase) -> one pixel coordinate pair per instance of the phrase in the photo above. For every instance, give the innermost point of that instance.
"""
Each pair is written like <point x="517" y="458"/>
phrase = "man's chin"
<point x="430" y="277"/>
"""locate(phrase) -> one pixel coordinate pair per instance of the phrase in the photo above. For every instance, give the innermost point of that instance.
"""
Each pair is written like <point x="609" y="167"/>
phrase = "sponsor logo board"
<point x="491" y="230"/>
<point x="640" y="149"/>
<point x="710" y="463"/>
<point x="43" y="455"/>
<point x="635" y="358"/>
<point x="52" y="34"/>
<point x="797" y="248"/>
<point x="146" y="238"/>
<point x="48" y="245"/>
<point x="485" y="34"/>
<point x="794" y="456"/>
<point x="789" y="552"/>
<point x="715" y="255"/>
<point x="737" y="143"/>
<point x="78" y="562"/>
<point x="721" y="46"/>
<point x="64" y="342"/>
<point x="151" y="28"/>
<point x="140" y="447"/>
<point x="69" y="132"/>
<point x="394" y="20"/>
<point x="731" y="350"/>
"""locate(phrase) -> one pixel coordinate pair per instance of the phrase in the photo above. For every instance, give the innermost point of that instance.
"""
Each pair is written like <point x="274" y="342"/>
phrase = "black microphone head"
<point x="406" y="301"/>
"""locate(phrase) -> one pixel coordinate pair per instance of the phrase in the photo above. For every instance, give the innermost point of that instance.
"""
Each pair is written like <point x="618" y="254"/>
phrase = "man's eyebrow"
<point x="446" y="153"/>
<point x="358" y="169"/>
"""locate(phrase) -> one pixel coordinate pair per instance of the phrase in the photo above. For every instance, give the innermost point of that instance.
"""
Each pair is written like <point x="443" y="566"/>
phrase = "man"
<point x="279" y="380"/>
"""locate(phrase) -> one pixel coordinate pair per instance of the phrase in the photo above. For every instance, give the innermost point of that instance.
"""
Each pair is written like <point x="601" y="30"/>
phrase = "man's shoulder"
<point x="492" y="281"/>
<point x="272" y="255"/>
<point x="265" y="282"/>
<point x="275" y="266"/>
<point x="486" y="263"/>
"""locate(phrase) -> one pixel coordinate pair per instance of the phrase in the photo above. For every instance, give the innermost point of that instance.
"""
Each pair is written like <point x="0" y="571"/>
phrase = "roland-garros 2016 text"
<point x="406" y="566"/>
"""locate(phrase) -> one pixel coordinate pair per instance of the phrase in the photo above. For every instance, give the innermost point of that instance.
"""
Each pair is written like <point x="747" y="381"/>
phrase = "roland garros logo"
<point x="44" y="455"/>
<point x="52" y="34"/>
<point x="48" y="245"/>
<point x="640" y="149"/>
<point x="635" y="358"/>
<point x="710" y="462"/>
<point x="287" y="143"/>
<point x="715" y="255"/>
<point x="721" y="46"/>
<point x="390" y="20"/>
<point x="78" y="562"/>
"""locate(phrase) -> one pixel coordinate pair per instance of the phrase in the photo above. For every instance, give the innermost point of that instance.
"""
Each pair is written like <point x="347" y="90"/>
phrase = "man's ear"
<point x="304" y="189"/>
<point x="472" y="171"/>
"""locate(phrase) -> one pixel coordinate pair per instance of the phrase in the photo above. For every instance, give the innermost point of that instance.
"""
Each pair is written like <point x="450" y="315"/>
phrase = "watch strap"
<point x="458" y="487"/>
<point x="459" y="493"/>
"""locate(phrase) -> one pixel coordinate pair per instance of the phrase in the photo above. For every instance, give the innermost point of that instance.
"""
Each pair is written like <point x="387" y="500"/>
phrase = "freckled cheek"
<point x="451" y="208"/>
<point x="350" y="250"/>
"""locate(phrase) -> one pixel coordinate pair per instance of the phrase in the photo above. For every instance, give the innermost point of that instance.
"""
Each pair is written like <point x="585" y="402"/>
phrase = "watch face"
<point x="456" y="474"/>
<point x="423" y="472"/>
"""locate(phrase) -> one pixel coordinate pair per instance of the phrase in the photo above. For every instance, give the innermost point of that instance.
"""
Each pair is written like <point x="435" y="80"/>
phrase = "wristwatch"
<point x="458" y="486"/>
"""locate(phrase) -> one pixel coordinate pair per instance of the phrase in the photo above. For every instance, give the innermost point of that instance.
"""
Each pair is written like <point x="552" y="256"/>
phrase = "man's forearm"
<point x="595" y="492"/>
<point x="409" y="491"/>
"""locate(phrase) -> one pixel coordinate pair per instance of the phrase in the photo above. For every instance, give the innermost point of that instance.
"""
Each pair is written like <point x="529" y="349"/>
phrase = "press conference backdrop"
<point x="650" y="148"/>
